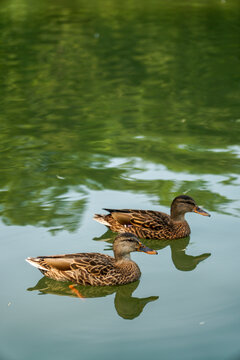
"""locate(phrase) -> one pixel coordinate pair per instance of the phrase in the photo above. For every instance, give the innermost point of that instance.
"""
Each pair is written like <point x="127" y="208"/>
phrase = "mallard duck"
<point x="94" y="268"/>
<point x="150" y="224"/>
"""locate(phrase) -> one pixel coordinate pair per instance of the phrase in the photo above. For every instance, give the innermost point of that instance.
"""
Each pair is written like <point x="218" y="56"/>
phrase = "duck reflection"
<point x="127" y="306"/>
<point x="180" y="259"/>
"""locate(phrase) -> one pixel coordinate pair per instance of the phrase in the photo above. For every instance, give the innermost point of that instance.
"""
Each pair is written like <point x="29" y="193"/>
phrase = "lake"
<point x="108" y="104"/>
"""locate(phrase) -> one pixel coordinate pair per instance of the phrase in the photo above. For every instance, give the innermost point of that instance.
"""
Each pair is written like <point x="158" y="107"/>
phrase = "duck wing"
<point x="92" y="263"/>
<point x="150" y="219"/>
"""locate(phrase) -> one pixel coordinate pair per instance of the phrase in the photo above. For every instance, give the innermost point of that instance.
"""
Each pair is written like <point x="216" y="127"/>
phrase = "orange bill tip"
<point x="146" y="249"/>
<point x="152" y="252"/>
<point x="200" y="211"/>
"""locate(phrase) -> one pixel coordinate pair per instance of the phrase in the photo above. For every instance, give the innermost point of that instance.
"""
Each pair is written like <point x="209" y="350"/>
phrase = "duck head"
<point x="126" y="243"/>
<point x="183" y="204"/>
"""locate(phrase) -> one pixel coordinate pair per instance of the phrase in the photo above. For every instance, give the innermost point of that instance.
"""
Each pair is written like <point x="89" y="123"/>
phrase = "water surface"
<point x="119" y="104"/>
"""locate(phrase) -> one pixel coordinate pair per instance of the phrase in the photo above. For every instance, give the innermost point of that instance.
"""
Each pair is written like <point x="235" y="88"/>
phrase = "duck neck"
<point x="176" y="216"/>
<point x="121" y="257"/>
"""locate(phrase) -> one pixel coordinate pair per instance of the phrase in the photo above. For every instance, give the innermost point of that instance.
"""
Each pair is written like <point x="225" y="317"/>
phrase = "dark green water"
<point x="119" y="104"/>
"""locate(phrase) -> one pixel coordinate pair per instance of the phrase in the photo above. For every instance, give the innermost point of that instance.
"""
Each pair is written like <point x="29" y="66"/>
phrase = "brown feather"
<point x="151" y="224"/>
<point x="94" y="268"/>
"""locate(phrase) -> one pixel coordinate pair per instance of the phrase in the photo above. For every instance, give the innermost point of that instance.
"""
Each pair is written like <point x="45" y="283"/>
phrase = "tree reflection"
<point x="81" y="112"/>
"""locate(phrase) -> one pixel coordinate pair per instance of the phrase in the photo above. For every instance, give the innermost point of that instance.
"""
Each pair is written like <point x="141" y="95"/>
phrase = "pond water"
<point x="119" y="104"/>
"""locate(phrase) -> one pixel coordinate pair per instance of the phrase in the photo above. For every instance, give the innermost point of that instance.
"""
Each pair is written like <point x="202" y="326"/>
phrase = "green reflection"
<point x="180" y="259"/>
<point x="84" y="85"/>
<point x="127" y="306"/>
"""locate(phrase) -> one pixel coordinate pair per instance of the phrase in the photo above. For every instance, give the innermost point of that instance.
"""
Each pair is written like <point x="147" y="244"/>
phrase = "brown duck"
<point x="150" y="224"/>
<point x="94" y="268"/>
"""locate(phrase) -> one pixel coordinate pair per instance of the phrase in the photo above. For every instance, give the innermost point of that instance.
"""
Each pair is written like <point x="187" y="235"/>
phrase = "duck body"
<point x="94" y="268"/>
<point x="151" y="224"/>
<point x="88" y="269"/>
<point x="146" y="224"/>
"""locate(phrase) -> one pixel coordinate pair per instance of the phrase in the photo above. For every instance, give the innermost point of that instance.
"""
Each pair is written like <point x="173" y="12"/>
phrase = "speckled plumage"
<point x="94" y="268"/>
<point x="151" y="224"/>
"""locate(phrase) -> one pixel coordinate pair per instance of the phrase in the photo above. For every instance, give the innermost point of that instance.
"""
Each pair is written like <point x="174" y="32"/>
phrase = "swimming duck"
<point x="94" y="268"/>
<point x="150" y="224"/>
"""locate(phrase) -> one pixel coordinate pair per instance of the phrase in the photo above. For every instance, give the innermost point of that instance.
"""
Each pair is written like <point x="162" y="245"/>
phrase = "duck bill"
<point x="200" y="211"/>
<point x="146" y="249"/>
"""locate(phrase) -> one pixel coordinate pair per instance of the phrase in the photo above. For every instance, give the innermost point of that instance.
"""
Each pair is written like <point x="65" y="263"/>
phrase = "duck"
<point x="94" y="268"/>
<point x="151" y="224"/>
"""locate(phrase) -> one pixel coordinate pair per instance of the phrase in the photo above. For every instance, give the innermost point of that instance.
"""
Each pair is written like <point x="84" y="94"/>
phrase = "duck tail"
<point x="101" y="219"/>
